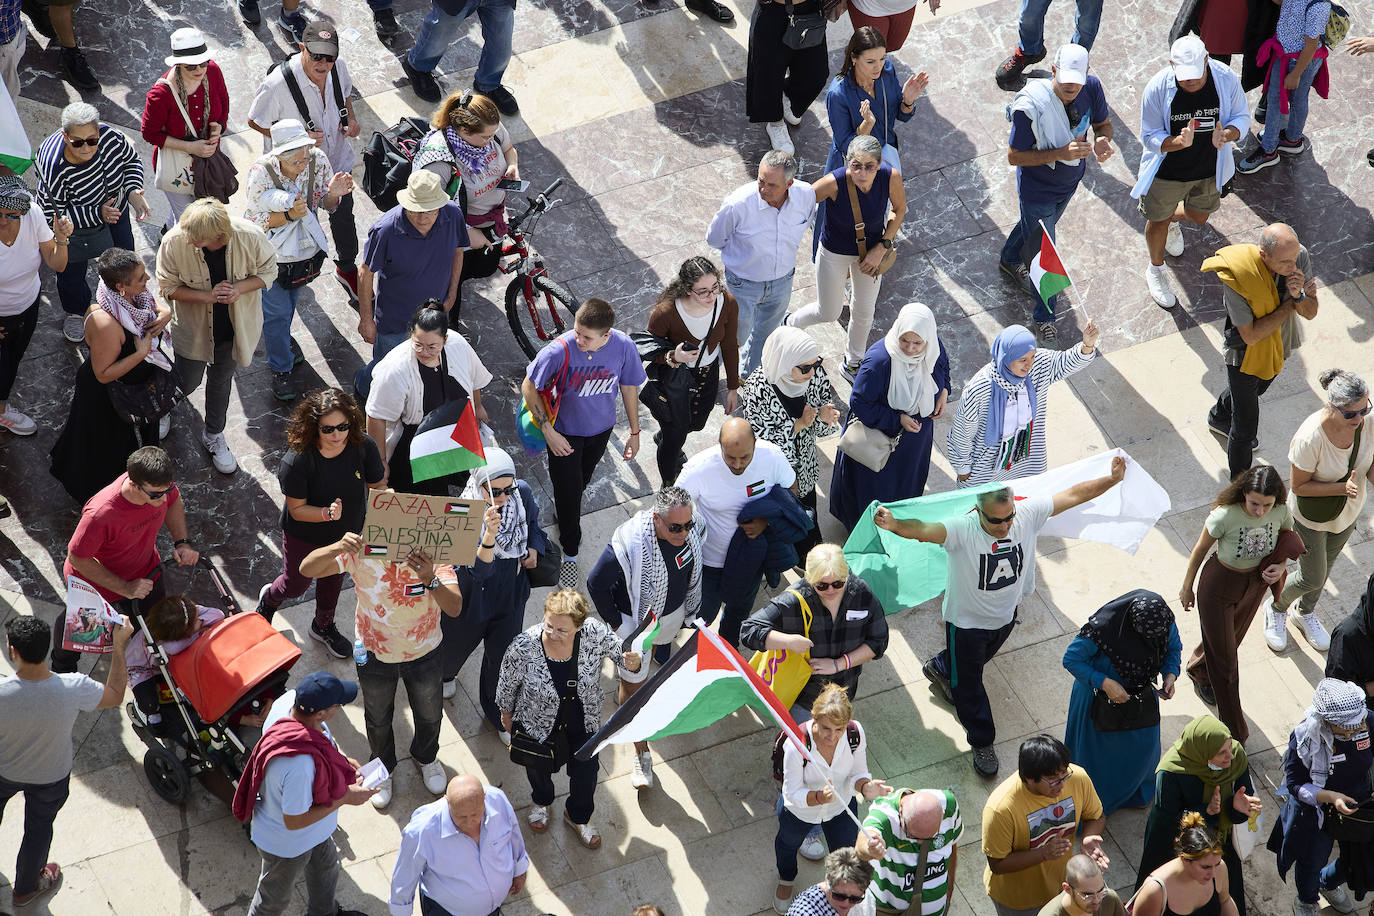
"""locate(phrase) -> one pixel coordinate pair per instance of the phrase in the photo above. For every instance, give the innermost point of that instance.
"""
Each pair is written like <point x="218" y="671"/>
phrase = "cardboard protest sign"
<point x="90" y="621"/>
<point x="447" y="529"/>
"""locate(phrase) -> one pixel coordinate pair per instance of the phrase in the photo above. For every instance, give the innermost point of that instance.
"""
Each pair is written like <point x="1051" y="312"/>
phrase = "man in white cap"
<point x="1191" y="113"/>
<point x="1050" y="121"/>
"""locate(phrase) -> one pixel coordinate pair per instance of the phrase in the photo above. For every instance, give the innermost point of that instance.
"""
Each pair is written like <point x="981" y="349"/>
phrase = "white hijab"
<point x="912" y="388"/>
<point x="786" y="348"/>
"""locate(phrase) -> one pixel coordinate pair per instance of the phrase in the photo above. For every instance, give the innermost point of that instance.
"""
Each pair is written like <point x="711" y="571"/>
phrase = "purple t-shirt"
<point x="591" y="383"/>
<point x="411" y="267"/>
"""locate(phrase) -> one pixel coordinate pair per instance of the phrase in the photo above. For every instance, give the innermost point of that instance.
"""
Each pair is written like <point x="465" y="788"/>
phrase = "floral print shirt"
<point x="260" y="180"/>
<point x="398" y="618"/>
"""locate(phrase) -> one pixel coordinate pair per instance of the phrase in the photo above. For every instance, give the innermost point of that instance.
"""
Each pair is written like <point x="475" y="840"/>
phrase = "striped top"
<point x="965" y="448"/>
<point x="79" y="190"/>
<point x="894" y="881"/>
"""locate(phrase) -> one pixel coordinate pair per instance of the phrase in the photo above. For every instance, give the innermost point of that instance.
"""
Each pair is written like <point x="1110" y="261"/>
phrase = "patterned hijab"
<point x="1013" y="343"/>
<point x="1336" y="702"/>
<point x="1133" y="632"/>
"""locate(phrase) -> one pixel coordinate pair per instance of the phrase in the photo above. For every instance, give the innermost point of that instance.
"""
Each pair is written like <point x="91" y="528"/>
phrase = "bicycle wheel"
<point x="536" y="319"/>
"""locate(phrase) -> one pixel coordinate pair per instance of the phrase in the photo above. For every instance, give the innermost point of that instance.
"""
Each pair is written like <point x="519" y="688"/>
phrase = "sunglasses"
<point x="78" y="142"/>
<point x="336" y="428"/>
<point x="323" y="58"/>
<point x="200" y="66"/>
<point x="837" y="585"/>
<point x="503" y="491"/>
<point x="808" y="368"/>
<point x="1348" y="414"/>
<point x="157" y="494"/>
<point x="863" y="166"/>
<point x="845" y="898"/>
<point x="994" y="520"/>
<point x="675" y="528"/>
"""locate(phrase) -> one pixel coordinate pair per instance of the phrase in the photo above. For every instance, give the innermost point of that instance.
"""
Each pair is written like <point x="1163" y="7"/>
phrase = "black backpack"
<point x="851" y="731"/>
<point x="387" y="160"/>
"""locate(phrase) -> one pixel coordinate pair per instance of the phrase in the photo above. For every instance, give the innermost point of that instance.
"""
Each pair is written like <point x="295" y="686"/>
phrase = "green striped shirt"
<point x="894" y="879"/>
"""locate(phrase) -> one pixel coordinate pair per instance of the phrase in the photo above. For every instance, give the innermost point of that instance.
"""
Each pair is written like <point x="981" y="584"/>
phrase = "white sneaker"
<point x="1173" y="244"/>
<point x="436" y="780"/>
<point x="1275" y="625"/>
<point x="1312" y="630"/>
<point x="223" y="459"/>
<point x="504" y="736"/>
<point x="642" y="771"/>
<point x="779" y="138"/>
<point x="788" y="116"/>
<point x="450" y="689"/>
<point x="17" y="423"/>
<point x="813" y="847"/>
<point x="164" y="426"/>
<point x="1158" y="282"/>
<point x="383" y="796"/>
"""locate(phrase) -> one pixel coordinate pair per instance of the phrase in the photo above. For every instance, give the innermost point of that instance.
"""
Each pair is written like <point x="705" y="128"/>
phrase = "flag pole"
<point x="1072" y="285"/>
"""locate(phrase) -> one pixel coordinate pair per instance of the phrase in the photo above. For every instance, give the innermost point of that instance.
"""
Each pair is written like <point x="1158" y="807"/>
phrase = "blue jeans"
<point x="384" y="344"/>
<point x="72" y="289"/>
<point x="278" y="308"/>
<point x="1032" y="24"/>
<point x="1310" y="871"/>
<point x="440" y="29"/>
<point x="41" y="804"/>
<point x="735" y="610"/>
<point x="1297" y="105"/>
<point x="840" y="831"/>
<point x="762" y="306"/>
<point x="1023" y="242"/>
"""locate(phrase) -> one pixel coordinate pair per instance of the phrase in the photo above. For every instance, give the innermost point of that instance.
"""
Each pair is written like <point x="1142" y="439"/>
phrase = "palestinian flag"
<point x="703" y="683"/>
<point x="1047" y="273"/>
<point x="642" y="639"/>
<point x="457" y="508"/>
<point x="15" y="152"/>
<point x="447" y="441"/>
<point x="376" y="550"/>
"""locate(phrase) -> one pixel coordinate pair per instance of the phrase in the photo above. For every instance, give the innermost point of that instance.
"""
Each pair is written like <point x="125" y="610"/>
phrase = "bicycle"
<point x="532" y="286"/>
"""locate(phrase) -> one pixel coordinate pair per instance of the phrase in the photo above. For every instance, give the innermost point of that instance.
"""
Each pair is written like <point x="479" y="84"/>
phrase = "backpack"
<point x="1337" y="25"/>
<point x="295" y="89"/>
<point x="851" y="732"/>
<point x="387" y="160"/>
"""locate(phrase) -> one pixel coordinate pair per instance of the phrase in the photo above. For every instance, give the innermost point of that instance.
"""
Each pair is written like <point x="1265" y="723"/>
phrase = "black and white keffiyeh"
<point x="512" y="538"/>
<point x="1336" y="702"/>
<point x="646" y="574"/>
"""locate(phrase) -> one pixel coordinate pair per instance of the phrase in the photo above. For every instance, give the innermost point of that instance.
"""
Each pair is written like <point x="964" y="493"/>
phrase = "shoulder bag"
<point x="1325" y="508"/>
<point x="1350" y="828"/>
<point x="672" y="391"/>
<point x="804" y="31"/>
<point x="868" y="446"/>
<point x="890" y="257"/>
<point x="175" y="167"/>
<point x="527" y="425"/>
<point x="295" y="274"/>
<point x="1141" y="710"/>
<point x="545" y="571"/>
<point x="784" y="671"/>
<point x="549" y="755"/>
<point x="147" y="401"/>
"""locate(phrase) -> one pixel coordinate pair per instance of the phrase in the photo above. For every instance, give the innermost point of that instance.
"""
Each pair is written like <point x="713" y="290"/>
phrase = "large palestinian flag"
<point x="702" y="683"/>
<point x="447" y="441"/>
<point x="15" y="152"/>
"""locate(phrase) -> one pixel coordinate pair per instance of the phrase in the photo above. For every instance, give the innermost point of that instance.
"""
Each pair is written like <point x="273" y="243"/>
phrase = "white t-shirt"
<point x="719" y="494"/>
<point x="987" y="578"/>
<point x="876" y="8"/>
<point x="19" y="263"/>
<point x="1314" y="453"/>
<point x="273" y="102"/>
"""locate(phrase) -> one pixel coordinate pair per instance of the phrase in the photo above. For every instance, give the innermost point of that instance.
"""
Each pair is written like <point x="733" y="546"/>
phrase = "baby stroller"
<point x="232" y="672"/>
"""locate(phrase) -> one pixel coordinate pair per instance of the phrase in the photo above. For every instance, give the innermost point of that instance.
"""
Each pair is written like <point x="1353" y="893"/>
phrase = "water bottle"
<point x="359" y="653"/>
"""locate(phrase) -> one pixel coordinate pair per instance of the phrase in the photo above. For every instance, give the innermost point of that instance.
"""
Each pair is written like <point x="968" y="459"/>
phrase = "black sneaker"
<point x="337" y="643"/>
<point x="711" y="8"/>
<point x="293" y="24"/>
<point x="985" y="761"/>
<point x="1262" y="109"/>
<point x="297" y="356"/>
<point x="1019" y="273"/>
<point x="282" y="387"/>
<point x="248" y="9"/>
<point x="79" y="72"/>
<point x="938" y="680"/>
<point x="422" y="84"/>
<point x="1205" y="693"/>
<point x="1293" y="147"/>
<point x="384" y="21"/>
<point x="1225" y="432"/>
<point x="1009" y="72"/>
<point x="38" y="15"/>
<point x="505" y="102"/>
<point x="265" y="610"/>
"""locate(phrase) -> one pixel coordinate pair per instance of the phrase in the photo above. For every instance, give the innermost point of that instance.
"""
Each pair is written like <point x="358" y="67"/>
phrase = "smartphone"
<point x="510" y="184"/>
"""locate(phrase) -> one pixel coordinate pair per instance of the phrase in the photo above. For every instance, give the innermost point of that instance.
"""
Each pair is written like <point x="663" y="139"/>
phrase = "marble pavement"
<point x="639" y="106"/>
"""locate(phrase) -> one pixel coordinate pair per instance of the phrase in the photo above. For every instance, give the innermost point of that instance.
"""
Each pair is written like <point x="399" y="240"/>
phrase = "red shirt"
<point x="118" y="534"/>
<point x="162" y="119"/>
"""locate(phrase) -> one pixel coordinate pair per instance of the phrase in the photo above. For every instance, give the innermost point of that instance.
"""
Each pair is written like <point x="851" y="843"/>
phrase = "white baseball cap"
<point x="1071" y="64"/>
<point x="1189" y="57"/>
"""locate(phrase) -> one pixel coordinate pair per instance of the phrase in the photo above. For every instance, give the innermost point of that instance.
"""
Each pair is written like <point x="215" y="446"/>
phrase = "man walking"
<point x="912" y="838"/>
<point x="1191" y="114"/>
<point x="758" y="230"/>
<point x="1049" y="145"/>
<point x="1030" y="45"/>
<point x="1266" y="287"/>
<point x="650" y="569"/>
<point x="464" y="853"/>
<point x="313" y="85"/>
<point x="985" y="584"/>
<point x="440" y="29"/>
<point x="37" y="711"/>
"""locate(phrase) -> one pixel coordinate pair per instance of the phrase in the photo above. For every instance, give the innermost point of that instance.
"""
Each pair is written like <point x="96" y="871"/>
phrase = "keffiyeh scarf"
<point x="134" y="317"/>
<point x="646" y="575"/>
<point x="1336" y="702"/>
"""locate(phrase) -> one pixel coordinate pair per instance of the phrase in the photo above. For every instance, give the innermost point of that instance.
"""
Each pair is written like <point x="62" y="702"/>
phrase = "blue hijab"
<point x="1013" y="343"/>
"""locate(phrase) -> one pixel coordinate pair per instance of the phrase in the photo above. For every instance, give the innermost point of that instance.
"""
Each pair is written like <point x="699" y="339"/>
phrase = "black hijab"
<point x="1351" y="656"/>
<point x="1133" y="632"/>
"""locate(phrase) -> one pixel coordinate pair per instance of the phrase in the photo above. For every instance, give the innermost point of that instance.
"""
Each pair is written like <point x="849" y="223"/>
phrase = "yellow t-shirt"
<point x="1016" y="819"/>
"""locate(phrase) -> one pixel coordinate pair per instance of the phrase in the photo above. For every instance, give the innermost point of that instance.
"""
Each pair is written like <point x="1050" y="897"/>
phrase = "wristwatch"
<point x="433" y="584"/>
<point x="887" y="243"/>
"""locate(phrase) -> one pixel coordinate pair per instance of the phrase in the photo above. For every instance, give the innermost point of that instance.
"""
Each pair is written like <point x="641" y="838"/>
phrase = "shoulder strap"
<point x="296" y="95"/>
<point x="858" y="216"/>
<point x="1354" y="450"/>
<point x="806" y="612"/>
<point x="185" y="116"/>
<point x="339" y="99"/>
<point x="701" y="351"/>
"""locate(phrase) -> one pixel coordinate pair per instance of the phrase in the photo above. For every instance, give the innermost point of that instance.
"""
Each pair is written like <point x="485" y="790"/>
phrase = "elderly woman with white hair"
<point x="1332" y="462"/>
<point x="900" y="391"/>
<point x="787" y="401"/>
<point x="497" y="585"/>
<point x="90" y="173"/>
<point x="1326" y="772"/>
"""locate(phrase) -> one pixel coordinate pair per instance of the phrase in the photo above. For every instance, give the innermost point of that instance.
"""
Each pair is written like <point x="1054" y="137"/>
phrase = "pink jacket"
<point x="1321" y="82"/>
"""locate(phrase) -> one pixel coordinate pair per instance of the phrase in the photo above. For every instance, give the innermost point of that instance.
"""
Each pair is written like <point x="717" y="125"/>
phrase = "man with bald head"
<point x="1084" y="892"/>
<point x="721" y="480"/>
<point x="912" y="839"/>
<point x="464" y="852"/>
<point x="1266" y="287"/>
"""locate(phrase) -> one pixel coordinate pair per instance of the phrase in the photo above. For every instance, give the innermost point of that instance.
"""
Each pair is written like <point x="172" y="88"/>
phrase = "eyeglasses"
<point x="78" y="142"/>
<point x="503" y="491"/>
<point x="336" y="428"/>
<point x="1092" y="895"/>
<point x="863" y="166"/>
<point x="1352" y="414"/>
<point x="1059" y="780"/>
<point x="994" y="520"/>
<point x="323" y="58"/>
<point x="426" y="348"/>
<point x="845" y="898"/>
<point x="155" y="495"/>
<point x="14" y="216"/>
<point x="674" y="528"/>
<point x="703" y="293"/>
<point x="837" y="585"/>
<point x="808" y="368"/>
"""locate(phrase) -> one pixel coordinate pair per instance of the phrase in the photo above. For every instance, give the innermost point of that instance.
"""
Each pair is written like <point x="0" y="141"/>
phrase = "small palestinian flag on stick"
<point x="1048" y="274"/>
<point x="642" y="639"/>
<point x="447" y="441"/>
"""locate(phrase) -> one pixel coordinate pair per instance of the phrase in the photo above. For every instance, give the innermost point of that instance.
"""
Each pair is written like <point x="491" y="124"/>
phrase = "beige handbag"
<point x="868" y="446"/>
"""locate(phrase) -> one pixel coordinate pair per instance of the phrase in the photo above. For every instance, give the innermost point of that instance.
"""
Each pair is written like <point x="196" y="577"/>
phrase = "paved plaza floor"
<point x="640" y="107"/>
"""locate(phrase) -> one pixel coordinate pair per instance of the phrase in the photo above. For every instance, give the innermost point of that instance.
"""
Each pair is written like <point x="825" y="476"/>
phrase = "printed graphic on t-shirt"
<point x="934" y="869"/>
<point x="1000" y="566"/>
<point x="592" y="381"/>
<point x="1253" y="543"/>
<point x="1051" y="821"/>
<point x="684" y="556"/>
<point x="1204" y="121"/>
<point x="757" y="488"/>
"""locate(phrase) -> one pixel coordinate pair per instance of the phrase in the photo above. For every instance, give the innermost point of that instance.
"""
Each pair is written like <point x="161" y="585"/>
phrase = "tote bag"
<point x="784" y="671"/>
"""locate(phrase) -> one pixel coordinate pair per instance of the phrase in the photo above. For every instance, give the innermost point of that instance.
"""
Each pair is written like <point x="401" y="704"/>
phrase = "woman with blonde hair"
<point x="1195" y="881"/>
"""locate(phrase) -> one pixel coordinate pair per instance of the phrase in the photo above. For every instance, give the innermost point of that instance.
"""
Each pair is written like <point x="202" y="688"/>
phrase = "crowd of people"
<point x="728" y="517"/>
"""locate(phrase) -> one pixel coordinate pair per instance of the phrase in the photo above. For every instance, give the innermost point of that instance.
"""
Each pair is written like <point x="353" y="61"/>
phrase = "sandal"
<point x="539" y="818"/>
<point x="48" y="880"/>
<point x="586" y="833"/>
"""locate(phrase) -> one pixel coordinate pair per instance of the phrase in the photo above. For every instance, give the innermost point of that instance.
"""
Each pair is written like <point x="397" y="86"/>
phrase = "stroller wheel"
<point x="166" y="774"/>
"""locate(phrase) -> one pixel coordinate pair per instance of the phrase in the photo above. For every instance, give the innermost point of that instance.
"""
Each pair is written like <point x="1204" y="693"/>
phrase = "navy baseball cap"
<point x="321" y="690"/>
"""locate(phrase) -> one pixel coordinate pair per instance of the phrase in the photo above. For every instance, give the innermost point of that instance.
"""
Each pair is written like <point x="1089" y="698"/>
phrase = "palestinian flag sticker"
<point x="456" y="508"/>
<point x="376" y="550"/>
<point x="414" y="591"/>
<point x="757" y="488"/>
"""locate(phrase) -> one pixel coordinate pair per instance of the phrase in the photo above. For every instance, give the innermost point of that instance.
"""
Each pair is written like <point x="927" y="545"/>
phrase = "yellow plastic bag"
<point x="784" y="671"/>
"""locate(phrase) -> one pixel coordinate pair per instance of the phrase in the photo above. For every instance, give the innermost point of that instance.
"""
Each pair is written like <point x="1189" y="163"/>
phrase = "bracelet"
<point x="488" y="546"/>
<point x="634" y="432"/>
<point x="179" y="541"/>
<point x="847" y="665"/>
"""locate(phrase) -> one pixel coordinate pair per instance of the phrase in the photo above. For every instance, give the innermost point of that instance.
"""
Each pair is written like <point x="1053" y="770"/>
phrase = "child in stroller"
<point x="175" y="623"/>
